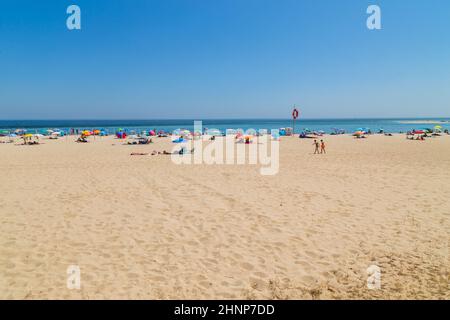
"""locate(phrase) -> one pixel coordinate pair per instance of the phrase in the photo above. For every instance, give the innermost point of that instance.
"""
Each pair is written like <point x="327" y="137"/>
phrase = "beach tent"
<point x="121" y="135"/>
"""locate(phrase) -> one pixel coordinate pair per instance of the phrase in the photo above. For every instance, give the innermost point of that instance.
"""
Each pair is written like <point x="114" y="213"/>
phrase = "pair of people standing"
<point x="320" y="147"/>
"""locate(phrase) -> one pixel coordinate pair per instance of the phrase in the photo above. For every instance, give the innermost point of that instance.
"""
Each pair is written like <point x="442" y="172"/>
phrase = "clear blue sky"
<point x="223" y="59"/>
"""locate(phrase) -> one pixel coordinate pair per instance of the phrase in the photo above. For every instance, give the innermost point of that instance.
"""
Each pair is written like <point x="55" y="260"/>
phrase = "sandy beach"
<point x="141" y="227"/>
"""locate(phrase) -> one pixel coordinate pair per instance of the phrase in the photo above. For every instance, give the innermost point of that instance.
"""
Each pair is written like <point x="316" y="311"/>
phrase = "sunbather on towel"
<point x="180" y="152"/>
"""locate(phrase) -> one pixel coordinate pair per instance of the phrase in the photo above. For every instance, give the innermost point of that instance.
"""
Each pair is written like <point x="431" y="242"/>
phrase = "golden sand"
<point x="145" y="228"/>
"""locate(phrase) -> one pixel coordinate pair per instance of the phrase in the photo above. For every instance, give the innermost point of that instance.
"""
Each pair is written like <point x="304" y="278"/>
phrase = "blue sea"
<point x="326" y="125"/>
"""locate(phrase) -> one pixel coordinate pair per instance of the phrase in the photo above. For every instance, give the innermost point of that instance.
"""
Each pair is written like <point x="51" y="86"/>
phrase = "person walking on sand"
<point x="316" y="144"/>
<point x="322" y="147"/>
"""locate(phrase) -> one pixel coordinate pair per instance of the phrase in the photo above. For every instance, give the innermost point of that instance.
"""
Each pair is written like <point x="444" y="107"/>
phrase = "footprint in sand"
<point x="247" y="266"/>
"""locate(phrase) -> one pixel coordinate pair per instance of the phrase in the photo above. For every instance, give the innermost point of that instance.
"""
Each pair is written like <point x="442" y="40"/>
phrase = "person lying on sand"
<point x="31" y="143"/>
<point x="154" y="153"/>
<point x="140" y="141"/>
<point x="138" y="154"/>
<point x="180" y="152"/>
<point x="145" y="141"/>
